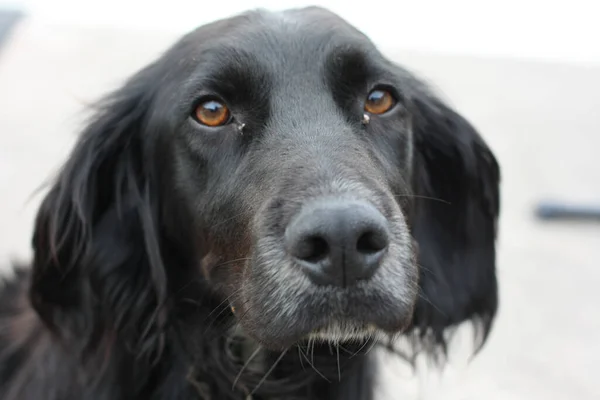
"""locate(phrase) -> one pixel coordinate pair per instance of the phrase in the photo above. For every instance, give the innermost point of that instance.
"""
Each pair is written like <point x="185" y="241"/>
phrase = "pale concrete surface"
<point x="541" y="120"/>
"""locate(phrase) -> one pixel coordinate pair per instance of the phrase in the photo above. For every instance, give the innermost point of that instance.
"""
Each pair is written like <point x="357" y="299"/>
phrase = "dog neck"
<point x="242" y="349"/>
<point x="238" y="365"/>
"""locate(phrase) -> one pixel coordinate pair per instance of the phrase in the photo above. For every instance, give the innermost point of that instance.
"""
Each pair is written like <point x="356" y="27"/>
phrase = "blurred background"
<point x="526" y="73"/>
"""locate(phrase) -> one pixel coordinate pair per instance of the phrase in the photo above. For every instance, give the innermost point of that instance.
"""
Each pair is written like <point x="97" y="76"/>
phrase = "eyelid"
<point x="387" y="88"/>
<point x="203" y="98"/>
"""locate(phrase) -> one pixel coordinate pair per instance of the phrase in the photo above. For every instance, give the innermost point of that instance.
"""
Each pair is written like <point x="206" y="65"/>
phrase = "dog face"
<point x="292" y="150"/>
<point x="276" y="159"/>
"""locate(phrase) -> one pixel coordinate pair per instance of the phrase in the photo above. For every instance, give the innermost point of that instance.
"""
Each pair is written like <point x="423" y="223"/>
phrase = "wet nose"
<point x="338" y="242"/>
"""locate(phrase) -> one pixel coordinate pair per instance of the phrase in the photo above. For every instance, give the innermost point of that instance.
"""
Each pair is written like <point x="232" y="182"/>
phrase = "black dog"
<point x="246" y="218"/>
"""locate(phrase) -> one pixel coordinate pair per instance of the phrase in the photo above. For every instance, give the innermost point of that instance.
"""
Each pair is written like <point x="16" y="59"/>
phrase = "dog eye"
<point x="379" y="101"/>
<point x="212" y="113"/>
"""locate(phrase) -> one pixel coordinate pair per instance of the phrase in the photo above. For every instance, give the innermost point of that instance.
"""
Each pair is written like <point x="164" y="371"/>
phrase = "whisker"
<point x="184" y="287"/>
<point x="416" y="196"/>
<point x="421" y="295"/>
<point x="156" y="312"/>
<point x="216" y="317"/>
<point x="345" y="349"/>
<point x="191" y="301"/>
<point x="223" y="309"/>
<point x="225" y="301"/>
<point x="264" y="378"/>
<point x="228" y="219"/>
<point x="241" y="317"/>
<point x="313" y="367"/>
<point x="421" y="266"/>
<point x="360" y="348"/>
<point x="300" y="357"/>
<point x="246" y="364"/>
<point x="248" y="309"/>
<point x="231" y="262"/>
<point x="338" y="363"/>
<point x="372" y="346"/>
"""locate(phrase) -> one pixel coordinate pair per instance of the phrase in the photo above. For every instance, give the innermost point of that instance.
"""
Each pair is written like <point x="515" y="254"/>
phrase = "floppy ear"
<point x="97" y="269"/>
<point x="456" y="180"/>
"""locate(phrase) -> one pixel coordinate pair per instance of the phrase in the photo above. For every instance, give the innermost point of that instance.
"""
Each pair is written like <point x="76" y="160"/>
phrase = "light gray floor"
<point x="542" y="121"/>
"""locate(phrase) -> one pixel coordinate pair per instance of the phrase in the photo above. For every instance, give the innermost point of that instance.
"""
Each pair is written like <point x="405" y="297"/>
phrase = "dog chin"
<point x="345" y="332"/>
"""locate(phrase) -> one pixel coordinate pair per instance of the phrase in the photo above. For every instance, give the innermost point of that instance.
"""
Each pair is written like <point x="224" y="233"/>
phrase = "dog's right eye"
<point x="212" y="113"/>
<point x="379" y="101"/>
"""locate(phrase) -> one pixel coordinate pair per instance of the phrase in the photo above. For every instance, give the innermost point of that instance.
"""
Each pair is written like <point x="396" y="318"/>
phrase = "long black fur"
<point x="114" y="307"/>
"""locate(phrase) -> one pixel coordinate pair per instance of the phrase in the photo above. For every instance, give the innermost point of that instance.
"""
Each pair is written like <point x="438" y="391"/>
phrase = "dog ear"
<point x="456" y="183"/>
<point x="97" y="267"/>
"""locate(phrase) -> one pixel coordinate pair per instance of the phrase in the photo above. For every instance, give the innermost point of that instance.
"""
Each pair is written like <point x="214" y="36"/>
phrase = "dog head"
<point x="280" y="165"/>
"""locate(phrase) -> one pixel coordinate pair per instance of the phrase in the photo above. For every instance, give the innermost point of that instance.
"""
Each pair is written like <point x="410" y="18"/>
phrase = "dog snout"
<point x="338" y="242"/>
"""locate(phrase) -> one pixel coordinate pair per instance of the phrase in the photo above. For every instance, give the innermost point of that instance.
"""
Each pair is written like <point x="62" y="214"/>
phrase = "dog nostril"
<point x="319" y="249"/>
<point x="313" y="249"/>
<point x="372" y="242"/>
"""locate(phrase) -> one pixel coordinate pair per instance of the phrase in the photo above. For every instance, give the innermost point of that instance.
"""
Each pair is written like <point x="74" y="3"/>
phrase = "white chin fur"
<point x="337" y="332"/>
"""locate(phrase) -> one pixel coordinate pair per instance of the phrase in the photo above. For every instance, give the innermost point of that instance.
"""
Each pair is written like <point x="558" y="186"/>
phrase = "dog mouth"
<point x="333" y="316"/>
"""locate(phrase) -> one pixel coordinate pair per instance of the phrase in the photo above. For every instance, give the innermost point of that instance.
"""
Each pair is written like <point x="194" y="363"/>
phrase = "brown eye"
<point x="379" y="101"/>
<point x="212" y="113"/>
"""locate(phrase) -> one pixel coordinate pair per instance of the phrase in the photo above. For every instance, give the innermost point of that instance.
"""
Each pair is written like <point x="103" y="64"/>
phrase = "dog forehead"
<point x="294" y="35"/>
<point x="274" y="53"/>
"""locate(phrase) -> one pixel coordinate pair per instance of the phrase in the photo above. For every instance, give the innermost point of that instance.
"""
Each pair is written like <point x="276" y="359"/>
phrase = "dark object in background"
<point x="8" y="19"/>
<point x="555" y="210"/>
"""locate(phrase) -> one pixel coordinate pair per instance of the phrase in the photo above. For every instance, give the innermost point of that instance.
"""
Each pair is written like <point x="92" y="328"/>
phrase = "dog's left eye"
<point x="379" y="101"/>
<point x="212" y="113"/>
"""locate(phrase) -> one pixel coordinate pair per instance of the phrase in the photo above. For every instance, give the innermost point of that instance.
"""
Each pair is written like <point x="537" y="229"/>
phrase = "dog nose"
<point x="338" y="242"/>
